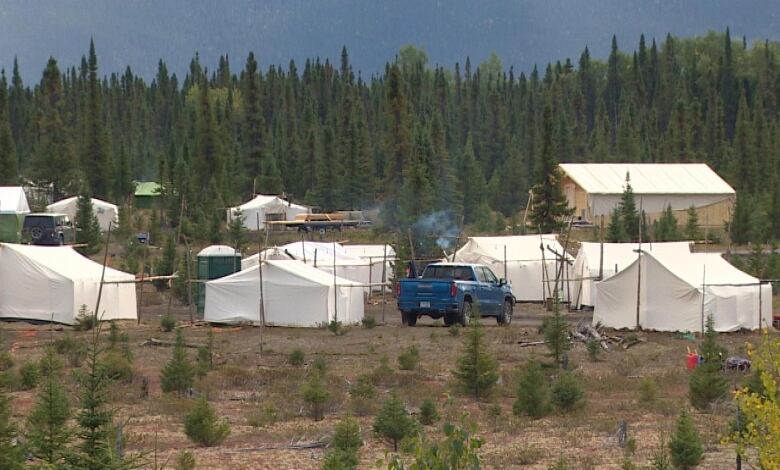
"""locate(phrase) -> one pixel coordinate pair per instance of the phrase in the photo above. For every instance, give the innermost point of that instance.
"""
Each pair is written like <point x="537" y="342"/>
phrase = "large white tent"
<point x="678" y="293"/>
<point x="262" y="208"/>
<point x="295" y="294"/>
<point x="375" y="255"/>
<point x="52" y="284"/>
<point x="616" y="256"/>
<point x="528" y="262"/>
<point x="13" y="199"/>
<point x="105" y="212"/>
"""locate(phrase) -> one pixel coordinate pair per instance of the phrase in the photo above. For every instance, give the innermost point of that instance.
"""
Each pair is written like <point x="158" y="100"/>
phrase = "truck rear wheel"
<point x="465" y="313"/>
<point x="408" y="318"/>
<point x="505" y="317"/>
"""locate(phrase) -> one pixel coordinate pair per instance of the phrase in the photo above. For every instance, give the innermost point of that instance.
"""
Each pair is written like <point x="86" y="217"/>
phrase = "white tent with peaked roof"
<point x="295" y="294"/>
<point x="678" y="293"/>
<point x="528" y="262"/>
<point x="52" y="283"/>
<point x="265" y="208"/>
<point x="105" y="212"/>
<point x="13" y="199"/>
<point x="616" y="256"/>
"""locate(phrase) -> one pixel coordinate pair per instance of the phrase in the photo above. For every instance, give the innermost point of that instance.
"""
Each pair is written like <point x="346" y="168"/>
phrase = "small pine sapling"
<point x="202" y="427"/>
<point x="428" y="413"/>
<point x="567" y="393"/>
<point x="393" y="423"/>
<point x="178" y="374"/>
<point x="532" y="392"/>
<point x="685" y="446"/>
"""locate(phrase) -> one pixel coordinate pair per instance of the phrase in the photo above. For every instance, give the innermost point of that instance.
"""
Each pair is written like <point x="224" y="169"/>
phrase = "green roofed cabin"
<point x="147" y="194"/>
<point x="214" y="262"/>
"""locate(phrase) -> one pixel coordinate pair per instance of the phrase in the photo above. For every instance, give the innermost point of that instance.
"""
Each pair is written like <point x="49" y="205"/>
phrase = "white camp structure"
<point x="678" y="293"/>
<point x="52" y="284"/>
<point x="13" y="199"/>
<point x="375" y="255"/>
<point x="295" y="294"/>
<point x="264" y="208"/>
<point x="105" y="212"/>
<point x="616" y="257"/>
<point x="520" y="260"/>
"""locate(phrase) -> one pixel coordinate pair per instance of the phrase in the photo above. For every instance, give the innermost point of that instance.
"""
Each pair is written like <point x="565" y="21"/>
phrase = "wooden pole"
<point x="411" y="244"/>
<point x="544" y="267"/>
<point x="261" y="307"/>
<point x="102" y="274"/>
<point x="639" y="270"/>
<point x="189" y="276"/>
<point x="760" y="308"/>
<point x="384" y="280"/>
<point x="143" y="273"/>
<point x="601" y="249"/>
<point x="175" y="253"/>
<point x="335" y="288"/>
<point x="703" y="293"/>
<point x="457" y="239"/>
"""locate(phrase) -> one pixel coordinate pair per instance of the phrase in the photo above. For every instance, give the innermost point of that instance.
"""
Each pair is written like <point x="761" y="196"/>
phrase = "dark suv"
<point x="48" y="229"/>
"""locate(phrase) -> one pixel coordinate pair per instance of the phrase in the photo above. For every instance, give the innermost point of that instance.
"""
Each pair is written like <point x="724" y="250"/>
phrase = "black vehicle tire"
<point x="408" y="318"/>
<point x="36" y="232"/>
<point x="505" y="317"/>
<point x="450" y="319"/>
<point x="465" y="313"/>
<point x="61" y="240"/>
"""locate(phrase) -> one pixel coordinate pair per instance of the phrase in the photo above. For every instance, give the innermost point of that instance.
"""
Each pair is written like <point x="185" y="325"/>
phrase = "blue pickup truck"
<point x="451" y="290"/>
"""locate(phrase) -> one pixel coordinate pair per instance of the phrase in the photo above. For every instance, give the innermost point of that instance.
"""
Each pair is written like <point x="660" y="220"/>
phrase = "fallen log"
<point x="159" y="342"/>
<point x="530" y="343"/>
<point x="297" y="446"/>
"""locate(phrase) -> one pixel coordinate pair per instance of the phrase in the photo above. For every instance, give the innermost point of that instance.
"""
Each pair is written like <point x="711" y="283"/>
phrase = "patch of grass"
<point x="296" y="358"/>
<point x="236" y="376"/>
<point x="368" y="322"/>
<point x="409" y="359"/>
<point x="75" y="351"/>
<point x="28" y="375"/>
<point x="454" y="330"/>
<point x="266" y="415"/>
<point x="529" y="455"/>
<point x="117" y="367"/>
<point x="167" y="323"/>
<point x="337" y="328"/>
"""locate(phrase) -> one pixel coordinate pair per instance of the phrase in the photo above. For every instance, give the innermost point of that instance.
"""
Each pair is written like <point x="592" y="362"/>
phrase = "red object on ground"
<point x="691" y="361"/>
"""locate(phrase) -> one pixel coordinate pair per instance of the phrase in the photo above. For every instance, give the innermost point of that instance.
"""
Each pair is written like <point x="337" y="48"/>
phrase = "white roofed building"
<point x="594" y="190"/>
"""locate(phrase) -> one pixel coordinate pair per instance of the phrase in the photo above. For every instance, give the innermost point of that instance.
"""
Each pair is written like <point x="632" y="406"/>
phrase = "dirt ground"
<point x="258" y="392"/>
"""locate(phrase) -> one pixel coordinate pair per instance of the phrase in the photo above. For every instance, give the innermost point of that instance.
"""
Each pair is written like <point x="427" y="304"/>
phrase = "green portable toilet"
<point x="11" y="227"/>
<point x="214" y="262"/>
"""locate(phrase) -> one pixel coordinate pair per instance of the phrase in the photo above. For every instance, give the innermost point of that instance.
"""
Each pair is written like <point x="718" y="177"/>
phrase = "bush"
<point x="201" y="425"/>
<point x="167" y="322"/>
<point x="392" y="422"/>
<point x="685" y="445"/>
<point x="648" y="391"/>
<point x="346" y="436"/>
<point x="368" y="322"/>
<point x="115" y="337"/>
<point x="382" y="373"/>
<point x="362" y="396"/>
<point x="336" y="459"/>
<point x="532" y="393"/>
<point x="265" y="416"/>
<point x="6" y="361"/>
<point x="85" y="320"/>
<point x="556" y="334"/>
<point x="567" y="393"/>
<point x="594" y="349"/>
<point x="560" y="464"/>
<point x="319" y="365"/>
<point x="296" y="358"/>
<point x="458" y="449"/>
<point x="203" y="361"/>
<point x="475" y="369"/>
<point x="185" y="460"/>
<point x="409" y="359"/>
<point x="28" y="375"/>
<point x="75" y="351"/>
<point x="315" y="395"/>
<point x="178" y="374"/>
<point x="454" y="330"/>
<point x="428" y="413"/>
<point x="117" y="367"/>
<point x="336" y="328"/>
<point x="706" y="385"/>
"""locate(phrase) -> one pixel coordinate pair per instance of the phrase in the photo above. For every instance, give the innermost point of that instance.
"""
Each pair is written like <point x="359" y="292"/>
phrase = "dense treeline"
<point x="417" y="138"/>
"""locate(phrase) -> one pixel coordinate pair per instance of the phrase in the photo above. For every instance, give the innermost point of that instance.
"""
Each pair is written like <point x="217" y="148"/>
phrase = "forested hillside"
<point x="418" y="139"/>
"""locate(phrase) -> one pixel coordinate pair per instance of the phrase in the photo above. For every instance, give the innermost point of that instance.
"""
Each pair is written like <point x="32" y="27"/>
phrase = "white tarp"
<point x="52" y="283"/>
<point x="677" y="293"/>
<point x="531" y="273"/>
<point x="295" y="295"/>
<point x="13" y="199"/>
<point x="104" y="211"/>
<point x="617" y="256"/>
<point x="254" y="212"/>
<point x="656" y="185"/>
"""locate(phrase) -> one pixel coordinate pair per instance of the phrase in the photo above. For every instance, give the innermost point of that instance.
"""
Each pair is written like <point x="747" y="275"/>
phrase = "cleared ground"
<point x="259" y="393"/>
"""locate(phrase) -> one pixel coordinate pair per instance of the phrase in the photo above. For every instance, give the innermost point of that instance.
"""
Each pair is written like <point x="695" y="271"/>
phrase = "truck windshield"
<point x="457" y="273"/>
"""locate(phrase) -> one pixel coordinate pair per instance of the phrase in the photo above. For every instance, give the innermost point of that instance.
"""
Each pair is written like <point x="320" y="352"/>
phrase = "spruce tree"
<point x="48" y="434"/>
<point x="8" y="163"/>
<point x="707" y="383"/>
<point x="685" y="445"/>
<point x="11" y="453"/>
<point x="86" y="223"/>
<point x="178" y="374"/>
<point x="475" y="369"/>
<point x="532" y="392"/>
<point x="628" y="211"/>
<point x="692" y="231"/>
<point x="616" y="231"/>
<point x="95" y="161"/>
<point x="392" y="422"/>
<point x="556" y="334"/>
<point x="549" y="205"/>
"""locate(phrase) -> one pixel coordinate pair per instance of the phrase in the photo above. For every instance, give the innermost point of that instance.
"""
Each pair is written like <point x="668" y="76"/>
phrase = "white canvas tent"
<point x="268" y="254"/>
<point x="262" y="208"/>
<point x="374" y="255"/>
<point x="13" y="199"/>
<point x="295" y="295"/>
<point x="105" y="212"/>
<point x="616" y="256"/>
<point x="530" y="272"/>
<point x="678" y="293"/>
<point x="52" y="283"/>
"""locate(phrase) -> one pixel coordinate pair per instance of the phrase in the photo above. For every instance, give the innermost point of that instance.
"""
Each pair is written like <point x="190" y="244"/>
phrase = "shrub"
<point x="532" y="393"/>
<point x="362" y="396"/>
<point x="556" y="334"/>
<point x="392" y="423"/>
<point x="368" y="322"/>
<point x="458" y="449"/>
<point x="567" y="393"/>
<point x="185" y="460"/>
<point x="167" y="322"/>
<point x="203" y="361"/>
<point x="382" y="373"/>
<point x="336" y="459"/>
<point x="475" y="369"/>
<point x="529" y="455"/>
<point x="454" y="330"/>
<point x="706" y="385"/>
<point x="75" y="351"/>
<point x="315" y="395"/>
<point x="428" y="413"/>
<point x="648" y="391"/>
<point x="346" y="436"/>
<point x="594" y="349"/>
<point x="560" y="464"/>
<point x="336" y="328"/>
<point x="6" y="361"/>
<point x="28" y="375"/>
<point x="659" y="457"/>
<point x="117" y="367"/>
<point x="319" y="365"/>
<point x="265" y="416"/>
<point x="296" y="358"/>
<point x="685" y="445"/>
<point x="409" y="359"/>
<point x="178" y="374"/>
<point x="201" y="425"/>
<point x="85" y="320"/>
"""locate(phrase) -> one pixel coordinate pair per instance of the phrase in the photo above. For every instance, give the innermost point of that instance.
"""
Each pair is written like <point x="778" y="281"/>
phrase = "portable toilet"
<point x="214" y="262"/>
<point x="11" y="227"/>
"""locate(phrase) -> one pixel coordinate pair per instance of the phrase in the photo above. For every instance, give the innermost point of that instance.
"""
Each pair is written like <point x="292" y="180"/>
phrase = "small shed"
<point x="147" y="194"/>
<point x="214" y="262"/>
